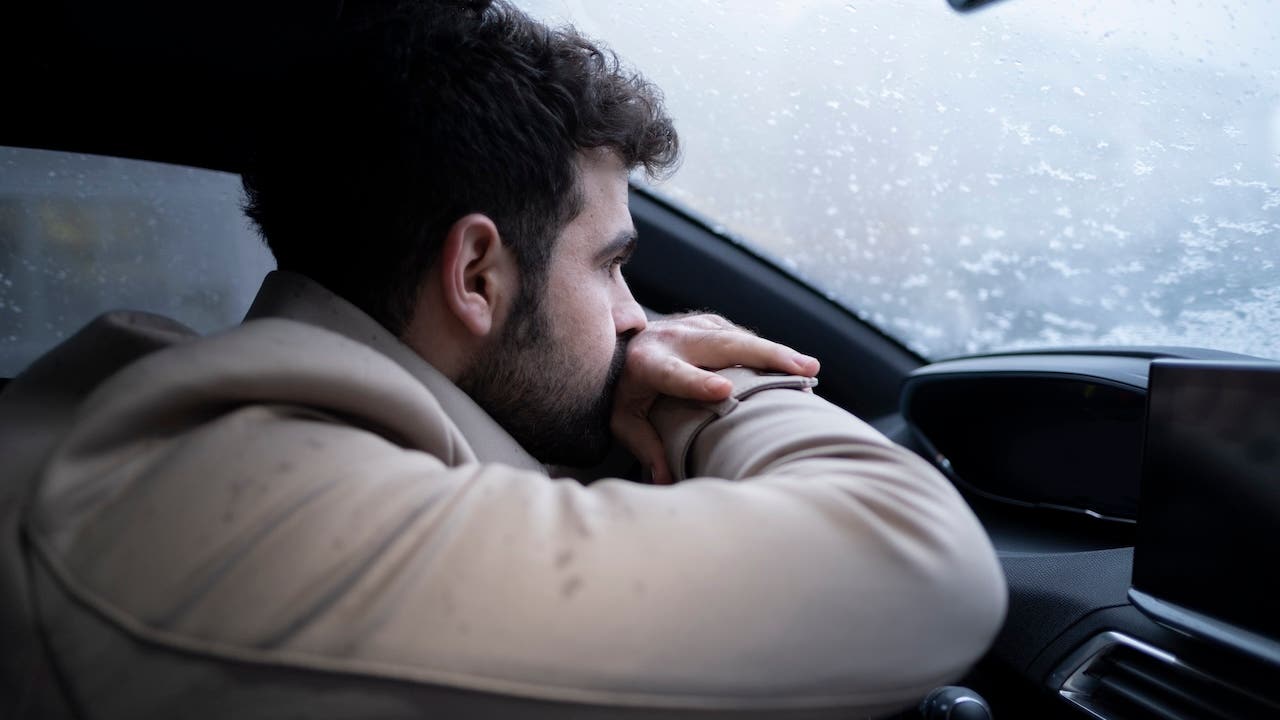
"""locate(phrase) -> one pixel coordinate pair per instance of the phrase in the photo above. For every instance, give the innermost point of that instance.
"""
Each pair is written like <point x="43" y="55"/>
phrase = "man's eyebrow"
<point x="623" y="243"/>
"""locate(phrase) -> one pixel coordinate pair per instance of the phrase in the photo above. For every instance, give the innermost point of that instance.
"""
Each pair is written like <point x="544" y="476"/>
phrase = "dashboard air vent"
<point x="1114" y="677"/>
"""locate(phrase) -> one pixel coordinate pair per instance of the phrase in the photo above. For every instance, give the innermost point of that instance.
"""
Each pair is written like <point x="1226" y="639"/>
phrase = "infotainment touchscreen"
<point x="1207" y="559"/>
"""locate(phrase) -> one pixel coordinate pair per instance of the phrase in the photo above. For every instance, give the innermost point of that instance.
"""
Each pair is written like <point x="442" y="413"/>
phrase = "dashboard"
<point x="1055" y="451"/>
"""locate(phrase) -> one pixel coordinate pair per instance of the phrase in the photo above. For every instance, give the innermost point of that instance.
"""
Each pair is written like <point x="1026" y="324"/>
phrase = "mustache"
<point x="617" y="364"/>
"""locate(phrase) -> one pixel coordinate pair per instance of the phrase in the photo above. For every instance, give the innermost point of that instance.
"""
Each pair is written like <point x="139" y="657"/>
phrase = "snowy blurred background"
<point x="1037" y="173"/>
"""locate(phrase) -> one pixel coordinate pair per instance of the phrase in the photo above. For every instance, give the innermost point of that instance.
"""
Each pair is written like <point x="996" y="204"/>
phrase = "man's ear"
<point x="477" y="273"/>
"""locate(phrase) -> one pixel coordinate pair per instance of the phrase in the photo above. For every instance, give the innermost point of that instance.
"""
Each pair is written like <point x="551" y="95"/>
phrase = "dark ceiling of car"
<point x="177" y="82"/>
<point x="168" y="81"/>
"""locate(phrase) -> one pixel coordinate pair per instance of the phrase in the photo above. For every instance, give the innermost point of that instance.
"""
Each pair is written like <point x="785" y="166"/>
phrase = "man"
<point x="342" y="507"/>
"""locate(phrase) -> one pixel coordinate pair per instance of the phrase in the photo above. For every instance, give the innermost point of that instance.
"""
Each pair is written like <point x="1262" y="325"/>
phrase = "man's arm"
<point x="273" y="514"/>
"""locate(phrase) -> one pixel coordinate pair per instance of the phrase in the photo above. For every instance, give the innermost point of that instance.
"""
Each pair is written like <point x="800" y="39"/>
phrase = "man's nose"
<point x="628" y="316"/>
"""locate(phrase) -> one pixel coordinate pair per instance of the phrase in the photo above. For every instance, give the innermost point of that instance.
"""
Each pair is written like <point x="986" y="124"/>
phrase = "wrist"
<point x="679" y="422"/>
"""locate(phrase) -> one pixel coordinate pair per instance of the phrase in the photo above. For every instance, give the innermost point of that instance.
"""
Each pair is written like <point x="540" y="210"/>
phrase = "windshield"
<point x="1033" y="174"/>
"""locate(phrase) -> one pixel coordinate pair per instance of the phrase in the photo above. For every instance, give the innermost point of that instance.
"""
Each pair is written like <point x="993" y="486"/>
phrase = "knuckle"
<point x="620" y="424"/>
<point x="640" y="359"/>
<point x="661" y="332"/>
<point x="669" y="369"/>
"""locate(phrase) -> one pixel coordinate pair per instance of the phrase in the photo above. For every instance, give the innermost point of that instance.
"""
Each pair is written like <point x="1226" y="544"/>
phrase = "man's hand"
<point x="676" y="356"/>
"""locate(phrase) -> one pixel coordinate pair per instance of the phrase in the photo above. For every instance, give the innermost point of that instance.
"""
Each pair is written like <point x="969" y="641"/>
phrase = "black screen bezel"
<point x="1165" y="596"/>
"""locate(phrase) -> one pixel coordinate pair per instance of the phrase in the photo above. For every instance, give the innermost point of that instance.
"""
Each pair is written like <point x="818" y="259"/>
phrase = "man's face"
<point x="549" y="374"/>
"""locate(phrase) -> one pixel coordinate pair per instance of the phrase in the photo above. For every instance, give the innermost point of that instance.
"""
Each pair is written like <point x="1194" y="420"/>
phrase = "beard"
<point x="531" y="382"/>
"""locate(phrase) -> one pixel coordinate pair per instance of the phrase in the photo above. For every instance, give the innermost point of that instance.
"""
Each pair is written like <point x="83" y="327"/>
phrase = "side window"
<point x="83" y="234"/>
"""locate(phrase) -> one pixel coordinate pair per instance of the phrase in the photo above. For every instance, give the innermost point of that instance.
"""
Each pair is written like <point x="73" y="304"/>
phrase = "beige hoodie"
<point x="300" y="516"/>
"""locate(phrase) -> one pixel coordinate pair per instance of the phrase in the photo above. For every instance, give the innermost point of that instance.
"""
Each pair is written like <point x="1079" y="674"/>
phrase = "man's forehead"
<point x="605" y="214"/>
<point x="602" y="159"/>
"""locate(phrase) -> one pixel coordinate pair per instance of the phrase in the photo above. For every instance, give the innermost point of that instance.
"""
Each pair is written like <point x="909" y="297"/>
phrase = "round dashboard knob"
<point x="953" y="702"/>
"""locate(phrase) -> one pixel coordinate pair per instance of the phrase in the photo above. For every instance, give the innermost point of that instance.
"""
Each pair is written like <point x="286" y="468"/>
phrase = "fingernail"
<point x="717" y="384"/>
<point x="804" y="361"/>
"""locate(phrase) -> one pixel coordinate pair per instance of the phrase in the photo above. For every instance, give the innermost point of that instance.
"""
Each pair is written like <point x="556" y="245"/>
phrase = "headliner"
<point x="149" y="79"/>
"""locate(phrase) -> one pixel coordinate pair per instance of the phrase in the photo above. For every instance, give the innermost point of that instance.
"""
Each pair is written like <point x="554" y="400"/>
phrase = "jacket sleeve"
<point x="810" y="564"/>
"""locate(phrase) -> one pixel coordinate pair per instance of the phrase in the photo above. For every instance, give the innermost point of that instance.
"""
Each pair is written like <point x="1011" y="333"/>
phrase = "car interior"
<point x="1132" y="492"/>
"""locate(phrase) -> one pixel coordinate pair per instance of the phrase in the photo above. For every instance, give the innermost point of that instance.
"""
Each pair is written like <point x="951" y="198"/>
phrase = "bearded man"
<point x="351" y="504"/>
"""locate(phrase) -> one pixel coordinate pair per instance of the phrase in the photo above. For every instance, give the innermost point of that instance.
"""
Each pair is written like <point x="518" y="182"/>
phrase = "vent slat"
<point x="1186" y="689"/>
<point x="1139" y="698"/>
<point x="1129" y="680"/>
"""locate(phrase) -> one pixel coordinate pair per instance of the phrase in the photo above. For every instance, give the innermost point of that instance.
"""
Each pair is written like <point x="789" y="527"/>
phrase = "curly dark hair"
<point x="421" y="112"/>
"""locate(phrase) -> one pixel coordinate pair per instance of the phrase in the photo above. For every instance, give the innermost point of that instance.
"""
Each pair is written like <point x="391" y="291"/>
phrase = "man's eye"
<point x="616" y="263"/>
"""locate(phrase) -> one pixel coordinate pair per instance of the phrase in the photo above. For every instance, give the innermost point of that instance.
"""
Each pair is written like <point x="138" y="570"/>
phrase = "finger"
<point x="726" y="324"/>
<point x="808" y="365"/>
<point x="716" y="322"/>
<point x="723" y="349"/>
<point x="706" y="321"/>
<point x="669" y="375"/>
<point x="639" y="437"/>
